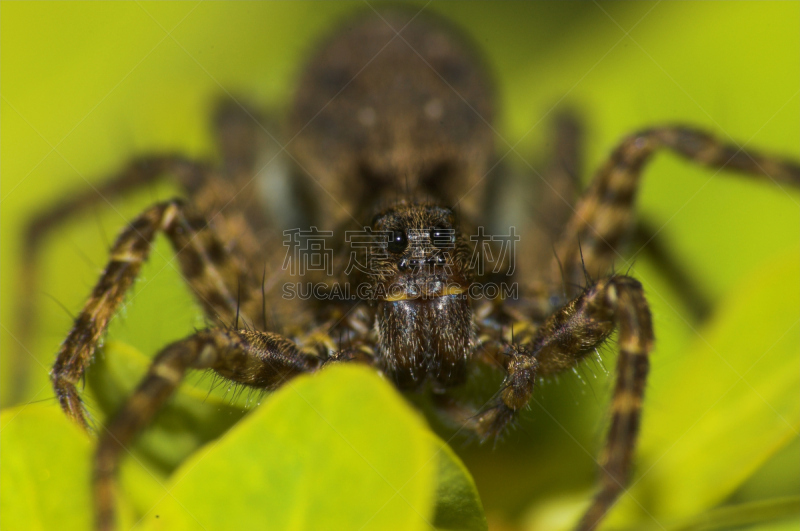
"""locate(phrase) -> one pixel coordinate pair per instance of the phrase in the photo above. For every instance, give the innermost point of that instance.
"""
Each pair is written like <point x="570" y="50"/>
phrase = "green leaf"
<point x="339" y="450"/>
<point x="45" y="473"/>
<point x="458" y="506"/>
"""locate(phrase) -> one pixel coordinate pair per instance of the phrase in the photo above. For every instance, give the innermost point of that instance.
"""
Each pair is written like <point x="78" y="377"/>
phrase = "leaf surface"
<point x="336" y="450"/>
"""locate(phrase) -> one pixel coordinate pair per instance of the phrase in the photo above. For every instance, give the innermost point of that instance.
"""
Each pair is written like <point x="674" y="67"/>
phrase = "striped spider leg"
<point x="210" y="189"/>
<point x="216" y="262"/>
<point x="249" y="356"/>
<point x="594" y="236"/>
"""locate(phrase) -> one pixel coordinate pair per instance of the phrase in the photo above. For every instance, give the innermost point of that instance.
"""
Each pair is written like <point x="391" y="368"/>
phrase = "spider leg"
<point x="563" y="340"/>
<point x="139" y="173"/>
<point x="604" y="215"/>
<point x="258" y="359"/>
<point x="213" y="272"/>
<point x="231" y="189"/>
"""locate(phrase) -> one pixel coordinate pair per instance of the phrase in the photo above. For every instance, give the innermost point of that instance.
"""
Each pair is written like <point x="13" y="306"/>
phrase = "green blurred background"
<point x="86" y="86"/>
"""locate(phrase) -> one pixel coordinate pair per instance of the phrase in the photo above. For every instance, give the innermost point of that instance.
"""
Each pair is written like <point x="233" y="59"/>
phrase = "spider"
<point x="406" y="186"/>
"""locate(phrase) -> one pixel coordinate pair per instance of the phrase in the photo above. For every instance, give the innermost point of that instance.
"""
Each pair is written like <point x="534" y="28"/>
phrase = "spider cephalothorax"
<point x="392" y="106"/>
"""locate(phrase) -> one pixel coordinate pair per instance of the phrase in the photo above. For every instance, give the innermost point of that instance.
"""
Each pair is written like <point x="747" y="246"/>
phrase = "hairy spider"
<point x="400" y="155"/>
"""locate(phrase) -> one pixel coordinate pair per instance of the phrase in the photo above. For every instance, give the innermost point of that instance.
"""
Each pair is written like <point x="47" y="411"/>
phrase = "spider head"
<point x="418" y="253"/>
<point x="420" y="277"/>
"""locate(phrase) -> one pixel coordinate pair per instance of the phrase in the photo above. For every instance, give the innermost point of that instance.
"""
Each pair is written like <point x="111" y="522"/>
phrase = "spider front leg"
<point x="214" y="273"/>
<point x="139" y="173"/>
<point x="567" y="337"/>
<point x="603" y="218"/>
<point x="257" y="359"/>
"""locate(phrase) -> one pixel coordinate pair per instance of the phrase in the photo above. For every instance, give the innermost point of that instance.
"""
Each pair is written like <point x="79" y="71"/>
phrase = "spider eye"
<point x="397" y="241"/>
<point x="443" y="238"/>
